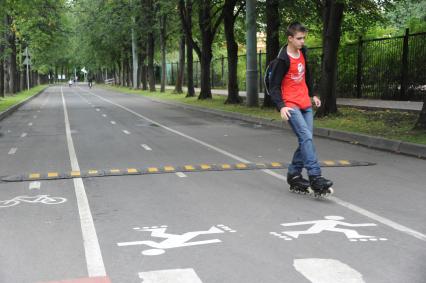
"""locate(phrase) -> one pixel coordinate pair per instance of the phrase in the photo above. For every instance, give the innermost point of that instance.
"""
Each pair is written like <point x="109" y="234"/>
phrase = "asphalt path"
<point x="230" y="226"/>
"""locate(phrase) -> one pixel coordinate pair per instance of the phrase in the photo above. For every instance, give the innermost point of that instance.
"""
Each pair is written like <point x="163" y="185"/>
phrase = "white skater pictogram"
<point x="330" y="224"/>
<point x="174" y="240"/>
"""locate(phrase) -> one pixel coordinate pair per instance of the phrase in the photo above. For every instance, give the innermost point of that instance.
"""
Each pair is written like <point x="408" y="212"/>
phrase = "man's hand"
<point x="317" y="101"/>
<point x="285" y="113"/>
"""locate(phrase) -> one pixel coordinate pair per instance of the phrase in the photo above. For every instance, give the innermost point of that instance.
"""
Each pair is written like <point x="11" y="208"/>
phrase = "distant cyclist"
<point x="90" y="80"/>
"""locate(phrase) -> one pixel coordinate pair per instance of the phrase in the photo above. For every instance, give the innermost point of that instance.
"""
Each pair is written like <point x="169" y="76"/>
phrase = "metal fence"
<point x="384" y="68"/>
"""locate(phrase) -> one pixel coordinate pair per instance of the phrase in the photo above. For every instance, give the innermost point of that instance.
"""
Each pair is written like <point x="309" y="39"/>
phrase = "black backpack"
<point x="268" y="75"/>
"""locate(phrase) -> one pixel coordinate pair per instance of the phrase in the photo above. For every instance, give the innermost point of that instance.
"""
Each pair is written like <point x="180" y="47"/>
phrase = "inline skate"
<point x="320" y="186"/>
<point x="298" y="184"/>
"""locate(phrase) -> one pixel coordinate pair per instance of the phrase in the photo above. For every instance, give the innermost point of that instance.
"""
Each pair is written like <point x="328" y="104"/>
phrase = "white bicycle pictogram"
<point x="45" y="199"/>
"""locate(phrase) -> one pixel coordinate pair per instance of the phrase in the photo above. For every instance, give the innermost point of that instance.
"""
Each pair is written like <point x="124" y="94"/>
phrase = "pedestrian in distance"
<point x="291" y="90"/>
<point x="90" y="81"/>
<point x="70" y="82"/>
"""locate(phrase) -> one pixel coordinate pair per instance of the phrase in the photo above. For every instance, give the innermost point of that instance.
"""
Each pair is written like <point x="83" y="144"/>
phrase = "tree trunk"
<point x="205" y="55"/>
<point x="151" y="75"/>
<point x="143" y="54"/>
<point x="13" y="71"/>
<point x="121" y="70"/>
<point x="139" y="77"/>
<point x="421" y="122"/>
<point x="181" y="70"/>
<point x="1" y="70"/>
<point x="144" y="77"/>
<point x="6" y="75"/>
<point x="2" y="48"/>
<point x="129" y="72"/>
<point x="190" y="68"/>
<point x="163" y="19"/>
<point x="1" y="75"/>
<point x="232" y="52"/>
<point x="205" y="60"/>
<point x="272" y="38"/>
<point x="333" y="16"/>
<point x="186" y="21"/>
<point x="22" y="80"/>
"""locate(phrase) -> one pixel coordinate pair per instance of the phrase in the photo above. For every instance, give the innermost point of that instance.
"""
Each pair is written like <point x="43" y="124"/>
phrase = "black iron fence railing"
<point x="384" y="68"/>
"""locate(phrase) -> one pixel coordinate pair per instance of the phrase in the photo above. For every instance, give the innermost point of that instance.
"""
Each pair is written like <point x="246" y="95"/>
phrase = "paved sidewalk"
<point x="362" y="103"/>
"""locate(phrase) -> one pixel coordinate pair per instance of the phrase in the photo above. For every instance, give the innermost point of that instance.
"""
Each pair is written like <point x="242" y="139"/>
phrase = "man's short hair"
<point x="295" y="27"/>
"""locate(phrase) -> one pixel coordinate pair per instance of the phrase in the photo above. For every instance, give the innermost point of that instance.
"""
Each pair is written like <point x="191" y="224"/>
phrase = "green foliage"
<point x="408" y="14"/>
<point x="37" y="24"/>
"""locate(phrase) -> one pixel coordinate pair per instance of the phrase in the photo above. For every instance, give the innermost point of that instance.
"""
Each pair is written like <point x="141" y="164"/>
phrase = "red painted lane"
<point x="83" y="280"/>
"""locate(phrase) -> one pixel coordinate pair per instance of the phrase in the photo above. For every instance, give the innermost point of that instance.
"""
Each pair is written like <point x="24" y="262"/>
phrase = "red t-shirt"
<point x="294" y="90"/>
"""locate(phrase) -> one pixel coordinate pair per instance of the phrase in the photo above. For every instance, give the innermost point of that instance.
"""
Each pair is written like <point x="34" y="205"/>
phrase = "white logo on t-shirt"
<point x="297" y="78"/>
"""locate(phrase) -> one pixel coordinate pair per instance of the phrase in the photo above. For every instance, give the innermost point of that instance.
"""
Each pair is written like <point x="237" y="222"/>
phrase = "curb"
<point x="6" y="113"/>
<point x="395" y="146"/>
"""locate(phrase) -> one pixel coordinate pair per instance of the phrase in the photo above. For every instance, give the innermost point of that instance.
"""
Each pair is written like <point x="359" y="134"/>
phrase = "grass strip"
<point x="396" y="125"/>
<point x="10" y="100"/>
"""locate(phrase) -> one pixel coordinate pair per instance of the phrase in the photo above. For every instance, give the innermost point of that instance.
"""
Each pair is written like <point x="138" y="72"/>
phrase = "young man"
<point x="291" y="90"/>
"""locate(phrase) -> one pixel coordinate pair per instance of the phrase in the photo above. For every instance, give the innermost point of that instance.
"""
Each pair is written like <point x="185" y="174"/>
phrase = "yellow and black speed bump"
<point x="35" y="176"/>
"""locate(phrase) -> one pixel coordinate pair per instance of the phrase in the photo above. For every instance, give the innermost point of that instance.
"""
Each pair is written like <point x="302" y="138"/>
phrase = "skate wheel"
<point x="310" y="191"/>
<point x="330" y="191"/>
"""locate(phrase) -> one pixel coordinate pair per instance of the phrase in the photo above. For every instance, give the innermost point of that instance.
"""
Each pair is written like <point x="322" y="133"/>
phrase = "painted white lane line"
<point x="30" y="124"/>
<point x="97" y="109"/>
<point x="35" y="116"/>
<point x="94" y="261"/>
<point x="35" y="185"/>
<point x="170" y="276"/>
<point x="146" y="147"/>
<point x="348" y="205"/>
<point x="181" y="175"/>
<point x="12" y="150"/>
<point x="23" y="135"/>
<point x="319" y="270"/>
<point x="104" y="115"/>
<point x="113" y="122"/>
<point x="380" y="219"/>
<point x="126" y="132"/>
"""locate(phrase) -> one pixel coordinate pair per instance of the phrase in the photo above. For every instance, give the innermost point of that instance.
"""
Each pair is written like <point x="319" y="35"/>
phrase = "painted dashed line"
<point x="35" y="116"/>
<point x="113" y="122"/>
<point x="23" y="135"/>
<point x="226" y="228"/>
<point x="146" y="147"/>
<point x="35" y="185"/>
<point x="104" y="115"/>
<point x="126" y="132"/>
<point x="181" y="175"/>
<point x="12" y="150"/>
<point x="97" y="109"/>
<point x="30" y="124"/>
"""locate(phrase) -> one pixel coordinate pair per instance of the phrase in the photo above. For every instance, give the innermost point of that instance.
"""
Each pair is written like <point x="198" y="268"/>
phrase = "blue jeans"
<point x="305" y="156"/>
